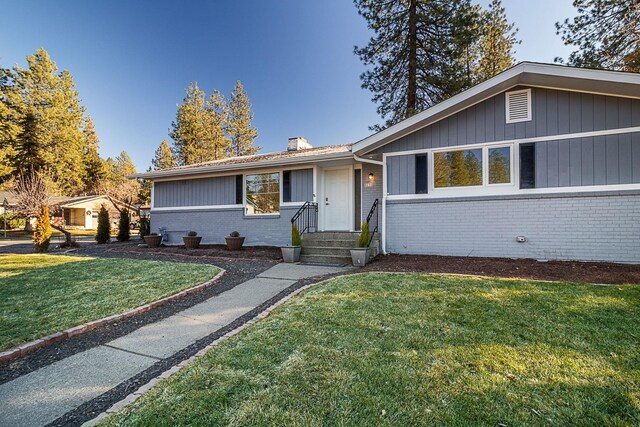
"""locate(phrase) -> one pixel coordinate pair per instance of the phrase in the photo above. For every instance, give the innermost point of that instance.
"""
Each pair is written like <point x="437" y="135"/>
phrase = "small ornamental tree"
<point x="42" y="233"/>
<point x="296" y="240"/>
<point x="144" y="227"/>
<point x="123" y="226"/>
<point x="104" y="227"/>
<point x="363" y="240"/>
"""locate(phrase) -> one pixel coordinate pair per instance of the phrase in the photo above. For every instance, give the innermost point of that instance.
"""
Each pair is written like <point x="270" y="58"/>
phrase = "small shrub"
<point x="124" y="226"/>
<point x="192" y="234"/>
<point x="363" y="240"/>
<point x="234" y="234"/>
<point x="103" y="234"/>
<point x="296" y="240"/>
<point x="42" y="233"/>
<point x="14" y="221"/>
<point x="145" y="227"/>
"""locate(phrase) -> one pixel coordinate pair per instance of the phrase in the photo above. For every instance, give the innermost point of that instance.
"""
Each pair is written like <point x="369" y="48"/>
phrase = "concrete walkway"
<point x="42" y="396"/>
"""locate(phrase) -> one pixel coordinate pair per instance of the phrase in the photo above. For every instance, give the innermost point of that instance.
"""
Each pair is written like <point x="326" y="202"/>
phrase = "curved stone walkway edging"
<point x="26" y="348"/>
<point x="168" y="373"/>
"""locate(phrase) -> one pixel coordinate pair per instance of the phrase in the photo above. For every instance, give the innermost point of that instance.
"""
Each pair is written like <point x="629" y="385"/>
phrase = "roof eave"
<point x="239" y="166"/>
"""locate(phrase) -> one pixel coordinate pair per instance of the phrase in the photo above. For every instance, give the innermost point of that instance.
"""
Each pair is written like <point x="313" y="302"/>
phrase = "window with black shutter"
<point x="527" y="166"/>
<point x="421" y="174"/>
<point x="239" y="183"/>
<point x="286" y="186"/>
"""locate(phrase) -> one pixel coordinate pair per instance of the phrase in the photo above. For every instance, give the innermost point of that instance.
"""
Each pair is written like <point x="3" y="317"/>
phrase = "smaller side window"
<point x="238" y="189"/>
<point x="527" y="166"/>
<point x="421" y="174"/>
<point x="286" y="186"/>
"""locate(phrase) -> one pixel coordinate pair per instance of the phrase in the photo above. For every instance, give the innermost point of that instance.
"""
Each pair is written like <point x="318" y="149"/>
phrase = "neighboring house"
<point x="541" y="161"/>
<point x="6" y="202"/>
<point x="82" y="212"/>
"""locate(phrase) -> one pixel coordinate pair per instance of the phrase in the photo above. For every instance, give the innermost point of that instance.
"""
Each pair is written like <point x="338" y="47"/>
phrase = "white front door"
<point x="337" y="199"/>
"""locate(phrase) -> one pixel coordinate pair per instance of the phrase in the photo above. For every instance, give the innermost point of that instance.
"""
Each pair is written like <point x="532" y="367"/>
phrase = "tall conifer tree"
<point x="495" y="47"/>
<point x="94" y="167"/>
<point x="50" y="121"/>
<point x="606" y="33"/>
<point x="198" y="131"/>
<point x="163" y="158"/>
<point x="416" y="53"/>
<point x="238" y="127"/>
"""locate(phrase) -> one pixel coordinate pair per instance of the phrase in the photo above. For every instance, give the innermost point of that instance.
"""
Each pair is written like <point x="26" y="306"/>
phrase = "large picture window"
<point x="263" y="193"/>
<point x="481" y="167"/>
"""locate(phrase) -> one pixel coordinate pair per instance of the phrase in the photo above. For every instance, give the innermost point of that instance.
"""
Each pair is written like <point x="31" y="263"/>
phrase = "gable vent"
<point x="518" y="106"/>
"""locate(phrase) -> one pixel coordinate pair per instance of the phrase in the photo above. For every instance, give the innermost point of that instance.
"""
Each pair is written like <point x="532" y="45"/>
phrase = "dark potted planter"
<point x="292" y="253"/>
<point x="360" y="256"/>
<point x="192" y="240"/>
<point x="234" y="241"/>
<point x="153" y="240"/>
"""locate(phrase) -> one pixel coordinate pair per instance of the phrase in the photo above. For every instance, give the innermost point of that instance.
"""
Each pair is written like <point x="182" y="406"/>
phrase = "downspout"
<point x="383" y="234"/>
<point x="383" y="227"/>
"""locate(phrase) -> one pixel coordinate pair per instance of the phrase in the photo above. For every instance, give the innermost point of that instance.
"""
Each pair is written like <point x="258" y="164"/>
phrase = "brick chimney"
<point x="298" y="143"/>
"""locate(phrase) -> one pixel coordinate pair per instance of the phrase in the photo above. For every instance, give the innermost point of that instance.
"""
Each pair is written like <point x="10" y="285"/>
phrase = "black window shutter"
<point x="527" y="166"/>
<point x="286" y="186"/>
<point x="421" y="174"/>
<point x="239" y="183"/>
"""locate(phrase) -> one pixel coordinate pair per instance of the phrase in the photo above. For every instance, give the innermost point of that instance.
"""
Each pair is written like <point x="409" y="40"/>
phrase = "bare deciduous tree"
<point x="31" y="192"/>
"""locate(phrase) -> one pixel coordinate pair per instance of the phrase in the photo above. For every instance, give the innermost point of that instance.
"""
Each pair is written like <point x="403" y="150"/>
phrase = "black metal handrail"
<point x="306" y="218"/>
<point x="373" y="211"/>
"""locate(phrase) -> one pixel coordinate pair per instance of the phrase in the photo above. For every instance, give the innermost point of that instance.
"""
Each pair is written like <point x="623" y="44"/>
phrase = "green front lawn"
<point x="384" y="349"/>
<point x="42" y="294"/>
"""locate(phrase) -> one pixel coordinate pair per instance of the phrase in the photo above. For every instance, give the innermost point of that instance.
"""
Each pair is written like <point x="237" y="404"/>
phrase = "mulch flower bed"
<point x="572" y="271"/>
<point x="247" y="252"/>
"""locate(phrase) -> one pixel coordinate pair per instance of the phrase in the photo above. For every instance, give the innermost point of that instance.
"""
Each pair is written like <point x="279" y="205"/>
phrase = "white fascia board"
<point x="241" y="166"/>
<point x="581" y="73"/>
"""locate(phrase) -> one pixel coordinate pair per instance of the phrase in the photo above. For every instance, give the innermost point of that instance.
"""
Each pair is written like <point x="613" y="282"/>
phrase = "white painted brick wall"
<point x="598" y="228"/>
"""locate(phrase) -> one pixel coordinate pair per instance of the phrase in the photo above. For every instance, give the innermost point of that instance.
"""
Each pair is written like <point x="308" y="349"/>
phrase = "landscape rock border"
<point x="28" y="347"/>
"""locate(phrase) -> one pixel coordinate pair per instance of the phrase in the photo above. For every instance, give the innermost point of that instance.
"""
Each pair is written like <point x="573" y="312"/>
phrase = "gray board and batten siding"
<point x="301" y="185"/>
<point x="600" y="160"/>
<point x="217" y="191"/>
<point x="195" y="192"/>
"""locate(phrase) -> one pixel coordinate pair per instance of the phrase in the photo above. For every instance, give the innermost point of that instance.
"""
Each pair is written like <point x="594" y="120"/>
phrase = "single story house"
<point x="82" y="212"/>
<point x="541" y="161"/>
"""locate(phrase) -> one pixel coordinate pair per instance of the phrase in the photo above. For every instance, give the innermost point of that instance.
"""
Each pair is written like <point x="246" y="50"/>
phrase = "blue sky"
<point x="132" y="60"/>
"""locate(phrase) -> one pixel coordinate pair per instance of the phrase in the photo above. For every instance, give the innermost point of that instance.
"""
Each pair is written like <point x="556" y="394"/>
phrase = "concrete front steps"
<point x="332" y="246"/>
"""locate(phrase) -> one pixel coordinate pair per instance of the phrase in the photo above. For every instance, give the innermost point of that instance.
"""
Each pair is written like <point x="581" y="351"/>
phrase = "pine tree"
<point x="50" y="121"/>
<point x="494" y="49"/>
<point x="10" y="118"/>
<point x="116" y="184"/>
<point x="144" y="195"/>
<point x="198" y="131"/>
<point x="417" y="53"/>
<point x="124" y="226"/>
<point x="42" y="233"/>
<point x="606" y="33"/>
<point x="94" y="167"/>
<point x="103" y="233"/>
<point x="239" y="129"/>
<point x="163" y="158"/>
